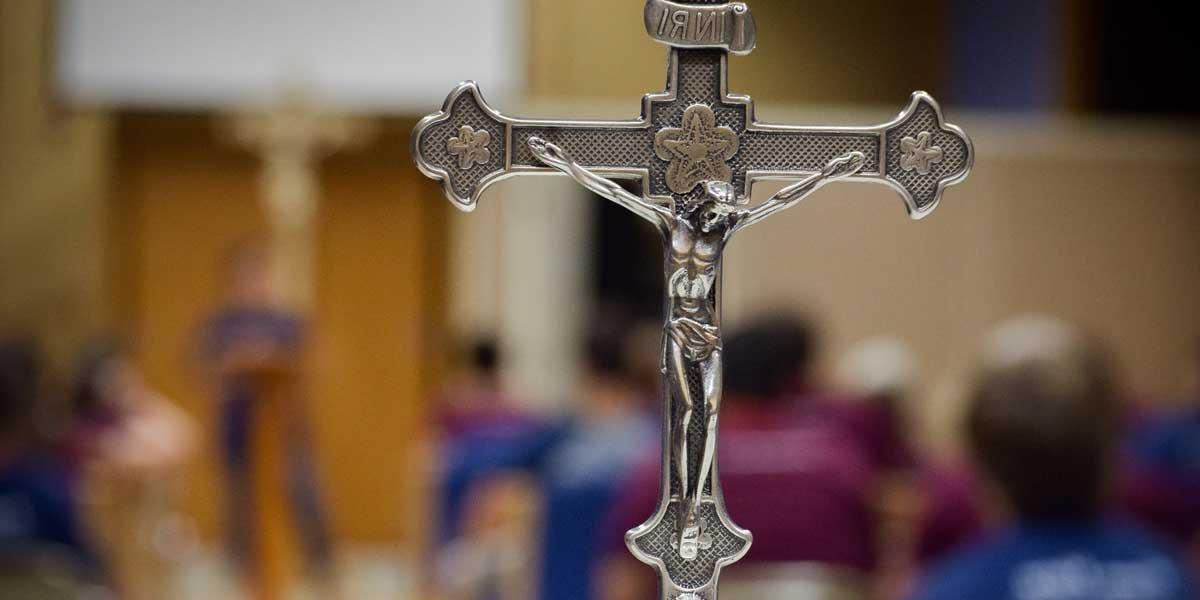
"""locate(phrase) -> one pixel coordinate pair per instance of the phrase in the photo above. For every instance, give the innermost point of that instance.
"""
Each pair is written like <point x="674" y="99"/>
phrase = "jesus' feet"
<point x="689" y="541"/>
<point x="693" y="538"/>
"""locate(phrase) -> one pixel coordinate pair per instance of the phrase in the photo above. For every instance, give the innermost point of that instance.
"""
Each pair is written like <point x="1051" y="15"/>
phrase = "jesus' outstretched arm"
<point x="839" y="168"/>
<point x="556" y="157"/>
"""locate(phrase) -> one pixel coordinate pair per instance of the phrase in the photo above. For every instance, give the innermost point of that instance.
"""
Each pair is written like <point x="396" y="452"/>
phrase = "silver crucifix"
<point x="698" y="151"/>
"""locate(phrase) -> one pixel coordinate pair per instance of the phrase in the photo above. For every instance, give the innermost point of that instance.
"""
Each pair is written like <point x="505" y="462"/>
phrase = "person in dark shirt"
<point x="39" y="517"/>
<point x="1042" y="424"/>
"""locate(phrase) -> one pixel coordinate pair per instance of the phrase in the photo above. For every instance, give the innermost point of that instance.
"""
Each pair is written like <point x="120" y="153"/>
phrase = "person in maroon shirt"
<point x="926" y="506"/>
<point x="801" y="480"/>
<point x="476" y="402"/>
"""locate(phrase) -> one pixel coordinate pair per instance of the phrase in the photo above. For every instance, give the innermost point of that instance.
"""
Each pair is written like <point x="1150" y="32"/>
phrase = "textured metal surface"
<point x="925" y="188"/>
<point x="465" y="108"/>
<point x="596" y="147"/>
<point x="695" y="77"/>
<point x="698" y="150"/>
<point x="660" y="541"/>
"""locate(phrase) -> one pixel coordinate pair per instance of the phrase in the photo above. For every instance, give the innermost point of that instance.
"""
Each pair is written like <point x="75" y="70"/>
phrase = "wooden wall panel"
<point x="183" y="198"/>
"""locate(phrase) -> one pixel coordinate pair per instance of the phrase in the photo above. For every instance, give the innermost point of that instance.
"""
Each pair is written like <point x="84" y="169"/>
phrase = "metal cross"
<point x="291" y="139"/>
<point x="698" y="151"/>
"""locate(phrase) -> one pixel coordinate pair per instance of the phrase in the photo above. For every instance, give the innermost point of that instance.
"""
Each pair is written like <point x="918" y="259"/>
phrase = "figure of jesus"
<point x="696" y="234"/>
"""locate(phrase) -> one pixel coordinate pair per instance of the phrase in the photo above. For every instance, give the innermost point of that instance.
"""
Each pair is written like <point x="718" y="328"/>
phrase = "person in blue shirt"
<point x="1042" y="424"/>
<point x="577" y="466"/>
<point x="613" y="431"/>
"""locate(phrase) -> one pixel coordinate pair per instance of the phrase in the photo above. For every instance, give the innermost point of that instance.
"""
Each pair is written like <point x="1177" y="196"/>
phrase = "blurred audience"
<point x="253" y="352"/>
<point x="130" y="445"/>
<point x="1042" y="424"/>
<point x="44" y="548"/>
<point x="842" y="505"/>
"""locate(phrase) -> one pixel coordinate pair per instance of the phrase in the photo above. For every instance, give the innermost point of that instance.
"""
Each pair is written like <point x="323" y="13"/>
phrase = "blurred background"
<point x="248" y="349"/>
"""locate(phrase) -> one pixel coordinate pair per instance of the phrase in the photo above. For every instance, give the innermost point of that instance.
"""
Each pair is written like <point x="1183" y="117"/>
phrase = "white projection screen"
<point x="386" y="56"/>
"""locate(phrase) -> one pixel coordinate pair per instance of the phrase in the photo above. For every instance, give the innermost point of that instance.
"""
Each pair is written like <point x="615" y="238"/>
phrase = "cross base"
<point x="657" y="542"/>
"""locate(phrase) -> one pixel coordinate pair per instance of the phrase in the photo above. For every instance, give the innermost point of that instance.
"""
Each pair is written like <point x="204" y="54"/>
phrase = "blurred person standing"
<point x="492" y="557"/>
<point x="130" y="445"/>
<point x="1042" y="423"/>
<point x="253" y="351"/>
<point x="44" y="550"/>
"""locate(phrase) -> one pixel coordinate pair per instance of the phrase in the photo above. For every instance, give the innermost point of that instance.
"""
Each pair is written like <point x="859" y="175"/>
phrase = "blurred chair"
<point x="493" y="558"/>
<point x="43" y="573"/>
<point x="793" y="581"/>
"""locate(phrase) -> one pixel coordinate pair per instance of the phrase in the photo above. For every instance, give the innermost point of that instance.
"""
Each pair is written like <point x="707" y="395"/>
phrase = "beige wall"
<point x="1095" y="221"/>
<point x="1098" y="223"/>
<point x="823" y="51"/>
<point x="53" y="173"/>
